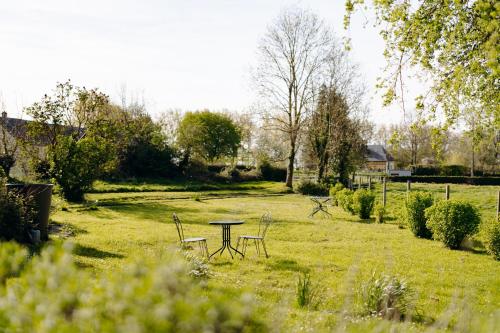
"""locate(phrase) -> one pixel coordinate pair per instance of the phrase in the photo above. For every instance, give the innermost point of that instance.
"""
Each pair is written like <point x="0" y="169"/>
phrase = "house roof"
<point x="377" y="153"/>
<point x="18" y="128"/>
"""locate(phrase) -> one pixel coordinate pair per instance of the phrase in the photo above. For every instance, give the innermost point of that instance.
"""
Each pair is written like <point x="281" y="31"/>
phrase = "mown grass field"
<point x="339" y="252"/>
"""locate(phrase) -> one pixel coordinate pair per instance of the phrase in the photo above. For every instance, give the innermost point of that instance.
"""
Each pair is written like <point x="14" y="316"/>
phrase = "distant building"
<point x="378" y="159"/>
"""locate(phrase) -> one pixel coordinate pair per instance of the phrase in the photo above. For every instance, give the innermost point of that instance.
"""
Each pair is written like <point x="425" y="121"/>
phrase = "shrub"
<point x="307" y="293"/>
<point x="271" y="172"/>
<point x="386" y="296"/>
<point x="230" y="173"/>
<point x="311" y="188"/>
<point x="415" y="206"/>
<point x="160" y="296"/>
<point x="363" y="203"/>
<point x="492" y="239"/>
<point x="333" y="191"/>
<point x="345" y="200"/>
<point x="451" y="221"/>
<point x="379" y="211"/>
<point x="15" y="217"/>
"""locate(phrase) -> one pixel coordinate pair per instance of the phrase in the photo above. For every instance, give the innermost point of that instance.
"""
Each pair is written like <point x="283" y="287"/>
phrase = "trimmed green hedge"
<point x="448" y="180"/>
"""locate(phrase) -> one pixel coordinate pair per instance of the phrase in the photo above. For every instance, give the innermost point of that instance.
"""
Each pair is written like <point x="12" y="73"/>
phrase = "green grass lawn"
<point x="339" y="252"/>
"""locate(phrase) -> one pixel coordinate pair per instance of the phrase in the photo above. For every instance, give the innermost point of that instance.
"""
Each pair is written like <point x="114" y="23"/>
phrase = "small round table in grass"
<point x="226" y="236"/>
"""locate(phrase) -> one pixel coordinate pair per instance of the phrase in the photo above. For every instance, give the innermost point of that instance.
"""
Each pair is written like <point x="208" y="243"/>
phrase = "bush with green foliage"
<point x="415" y="206"/>
<point x="386" y="296"/>
<point x="15" y="217"/>
<point x="51" y="294"/>
<point x="75" y="165"/>
<point x="379" y="212"/>
<point x="492" y="239"/>
<point x="363" y="201"/>
<point x="311" y="188"/>
<point x="451" y="221"/>
<point x="333" y="191"/>
<point x="345" y="200"/>
<point x="271" y="172"/>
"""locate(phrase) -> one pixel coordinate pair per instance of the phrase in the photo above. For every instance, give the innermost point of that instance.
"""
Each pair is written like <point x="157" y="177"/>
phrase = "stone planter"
<point x="40" y="196"/>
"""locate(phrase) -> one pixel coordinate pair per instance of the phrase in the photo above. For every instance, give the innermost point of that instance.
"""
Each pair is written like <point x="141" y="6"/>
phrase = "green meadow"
<point x="124" y="221"/>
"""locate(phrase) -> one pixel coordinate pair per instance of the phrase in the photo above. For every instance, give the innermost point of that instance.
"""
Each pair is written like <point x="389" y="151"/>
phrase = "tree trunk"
<point x="472" y="163"/>
<point x="291" y="162"/>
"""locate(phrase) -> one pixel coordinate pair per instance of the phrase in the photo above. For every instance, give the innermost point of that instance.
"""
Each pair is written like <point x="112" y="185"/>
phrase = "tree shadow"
<point x="286" y="265"/>
<point x="92" y="252"/>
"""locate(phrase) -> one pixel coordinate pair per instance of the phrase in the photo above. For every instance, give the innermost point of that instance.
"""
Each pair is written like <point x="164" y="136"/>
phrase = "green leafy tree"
<point x="455" y="42"/>
<point x="209" y="135"/>
<point x="71" y="123"/>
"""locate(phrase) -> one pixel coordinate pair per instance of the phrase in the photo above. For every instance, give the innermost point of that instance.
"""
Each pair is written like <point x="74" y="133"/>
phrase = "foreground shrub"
<point x="386" y="296"/>
<point x="311" y="188"/>
<point x="450" y="221"/>
<point x="333" y="192"/>
<point x="363" y="201"/>
<point x="415" y="206"/>
<point x="379" y="211"/>
<point x="307" y="292"/>
<point x="52" y="295"/>
<point x="492" y="239"/>
<point x="345" y="200"/>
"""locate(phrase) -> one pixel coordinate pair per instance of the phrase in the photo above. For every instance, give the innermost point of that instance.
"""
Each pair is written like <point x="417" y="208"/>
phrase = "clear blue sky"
<point x="183" y="54"/>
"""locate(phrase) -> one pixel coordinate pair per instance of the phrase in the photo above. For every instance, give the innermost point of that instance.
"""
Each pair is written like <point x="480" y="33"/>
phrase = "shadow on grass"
<point x="152" y="211"/>
<point x="286" y="265"/>
<point x="92" y="252"/>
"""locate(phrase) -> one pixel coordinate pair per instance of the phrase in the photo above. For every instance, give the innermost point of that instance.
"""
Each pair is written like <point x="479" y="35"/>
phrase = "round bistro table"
<point x="226" y="236"/>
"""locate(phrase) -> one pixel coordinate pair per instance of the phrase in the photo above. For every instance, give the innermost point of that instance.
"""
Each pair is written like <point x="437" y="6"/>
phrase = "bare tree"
<point x="291" y="57"/>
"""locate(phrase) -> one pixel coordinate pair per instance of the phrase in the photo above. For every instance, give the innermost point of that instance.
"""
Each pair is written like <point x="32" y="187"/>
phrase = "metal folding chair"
<point x="265" y="222"/>
<point x="202" y="242"/>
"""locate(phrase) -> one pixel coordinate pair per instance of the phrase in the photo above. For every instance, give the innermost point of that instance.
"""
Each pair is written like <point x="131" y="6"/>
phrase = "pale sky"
<point x="186" y="54"/>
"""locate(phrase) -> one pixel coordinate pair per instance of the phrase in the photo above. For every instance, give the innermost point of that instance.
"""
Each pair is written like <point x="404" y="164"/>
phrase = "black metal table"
<point x="226" y="236"/>
<point x="320" y="205"/>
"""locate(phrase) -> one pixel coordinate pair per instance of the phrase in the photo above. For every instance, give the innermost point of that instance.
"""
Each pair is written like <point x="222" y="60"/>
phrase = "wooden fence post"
<point x="384" y="192"/>
<point x="447" y="193"/>
<point x="370" y="182"/>
<point x="408" y="186"/>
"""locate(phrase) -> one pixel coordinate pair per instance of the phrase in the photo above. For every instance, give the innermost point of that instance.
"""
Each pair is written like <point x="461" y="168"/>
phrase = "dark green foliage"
<point x="311" y="188"/>
<point x="363" y="201"/>
<point x="143" y="158"/>
<point x="6" y="162"/>
<point x="386" y="296"/>
<point x="209" y="135"/>
<point x="271" y="172"/>
<point x="41" y="169"/>
<point x="15" y="216"/>
<point x="415" y="206"/>
<point x="448" y="180"/>
<point x="492" y="239"/>
<point x="345" y="200"/>
<point x="75" y="165"/>
<point x="379" y="211"/>
<point x="333" y="192"/>
<point x="51" y="294"/>
<point x="307" y="292"/>
<point x="451" y="221"/>
<point x="454" y="170"/>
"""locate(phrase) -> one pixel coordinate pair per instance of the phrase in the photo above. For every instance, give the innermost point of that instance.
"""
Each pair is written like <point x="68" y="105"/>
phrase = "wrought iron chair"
<point x="202" y="242"/>
<point x="265" y="222"/>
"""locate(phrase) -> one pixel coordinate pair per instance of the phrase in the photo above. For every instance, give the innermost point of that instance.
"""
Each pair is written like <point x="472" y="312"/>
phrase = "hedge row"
<point x="445" y="170"/>
<point x="448" y="179"/>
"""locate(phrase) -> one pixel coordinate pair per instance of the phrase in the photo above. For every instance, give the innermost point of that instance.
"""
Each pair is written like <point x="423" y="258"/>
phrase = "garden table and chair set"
<point x="258" y="239"/>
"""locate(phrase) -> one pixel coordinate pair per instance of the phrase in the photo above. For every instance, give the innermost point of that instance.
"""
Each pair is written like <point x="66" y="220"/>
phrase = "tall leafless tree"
<point x="292" y="55"/>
